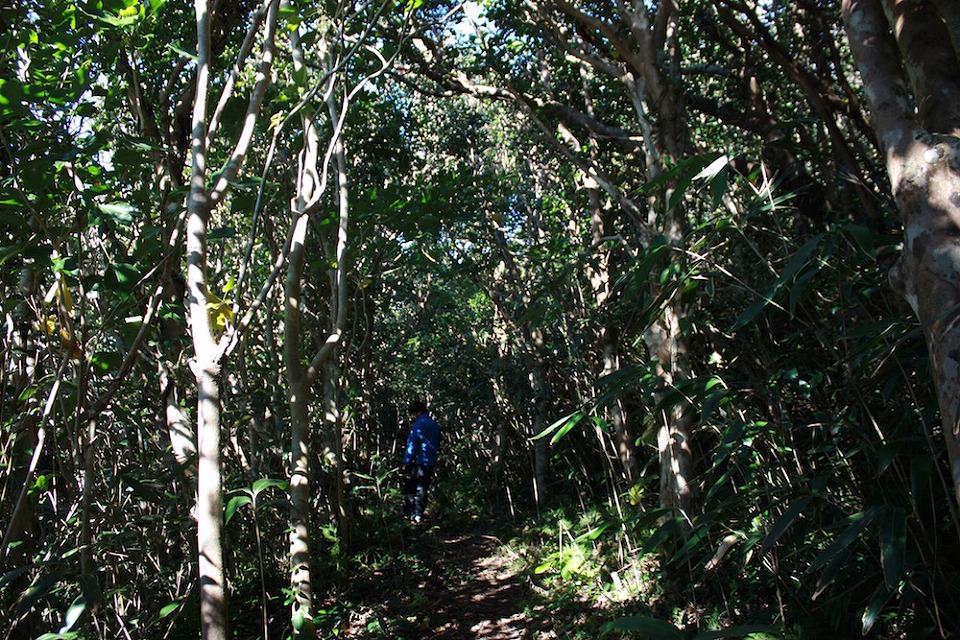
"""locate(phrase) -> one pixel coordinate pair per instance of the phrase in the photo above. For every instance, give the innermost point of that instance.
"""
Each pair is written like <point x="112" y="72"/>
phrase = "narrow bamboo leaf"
<point x="221" y="233"/>
<point x="566" y="428"/>
<point x="647" y="518"/>
<point x="797" y="262"/>
<point x="783" y="523"/>
<point x="76" y="610"/>
<point x="858" y="522"/>
<point x="650" y="627"/>
<point x="921" y="469"/>
<point x="168" y="609"/>
<point x="592" y="534"/>
<point x="828" y="574"/>
<point x="863" y="238"/>
<point x="871" y="612"/>
<point x="840" y="550"/>
<point x="722" y="481"/>
<point x="15" y="573"/>
<point x="574" y="417"/>
<point x="660" y="536"/>
<point x="893" y="544"/>
<point x="39" y="589"/>
<point x="718" y="187"/>
<point x="752" y="312"/>
<point x="714" y="168"/>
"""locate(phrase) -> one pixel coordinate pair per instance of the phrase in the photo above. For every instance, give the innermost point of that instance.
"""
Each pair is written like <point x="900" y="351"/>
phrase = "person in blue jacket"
<point x="419" y="460"/>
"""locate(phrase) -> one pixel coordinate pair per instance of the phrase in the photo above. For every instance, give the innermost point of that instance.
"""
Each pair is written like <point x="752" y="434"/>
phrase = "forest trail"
<point x="447" y="584"/>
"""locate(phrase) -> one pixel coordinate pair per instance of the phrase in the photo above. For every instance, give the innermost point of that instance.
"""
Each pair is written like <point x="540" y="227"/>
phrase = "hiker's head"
<point x="416" y="408"/>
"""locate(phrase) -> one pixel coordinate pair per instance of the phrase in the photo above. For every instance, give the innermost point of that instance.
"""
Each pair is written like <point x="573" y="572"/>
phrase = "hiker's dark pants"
<point x="415" y="489"/>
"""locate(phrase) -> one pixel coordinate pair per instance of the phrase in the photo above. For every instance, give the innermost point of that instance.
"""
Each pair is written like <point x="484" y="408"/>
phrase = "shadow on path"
<point x="448" y="585"/>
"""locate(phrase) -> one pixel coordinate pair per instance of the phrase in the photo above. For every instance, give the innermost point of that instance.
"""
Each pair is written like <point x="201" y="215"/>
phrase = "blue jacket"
<point x="423" y="441"/>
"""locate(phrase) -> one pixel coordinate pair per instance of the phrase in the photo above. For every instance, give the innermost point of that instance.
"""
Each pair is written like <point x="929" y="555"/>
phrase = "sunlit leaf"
<point x="266" y="483"/>
<point x="76" y="610"/>
<point x="233" y="504"/>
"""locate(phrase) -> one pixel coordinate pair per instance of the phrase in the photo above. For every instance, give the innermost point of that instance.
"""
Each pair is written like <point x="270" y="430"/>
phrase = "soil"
<point x="447" y="583"/>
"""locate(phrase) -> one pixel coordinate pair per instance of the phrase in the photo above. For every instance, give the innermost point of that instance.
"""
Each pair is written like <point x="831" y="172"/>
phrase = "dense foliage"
<point x="634" y="258"/>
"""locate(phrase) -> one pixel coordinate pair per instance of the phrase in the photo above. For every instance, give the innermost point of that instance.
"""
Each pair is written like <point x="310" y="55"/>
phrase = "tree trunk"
<point x="206" y="368"/>
<point x="298" y="388"/>
<point x="923" y="162"/>
<point x="334" y="450"/>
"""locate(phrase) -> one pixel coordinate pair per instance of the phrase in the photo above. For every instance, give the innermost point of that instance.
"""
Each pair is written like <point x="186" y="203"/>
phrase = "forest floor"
<point x="451" y="582"/>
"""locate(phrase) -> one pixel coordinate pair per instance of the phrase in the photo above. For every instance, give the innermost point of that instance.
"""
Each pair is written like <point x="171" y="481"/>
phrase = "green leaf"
<point x="120" y="212"/>
<point x="40" y="587"/>
<point x="650" y="627"/>
<point x="76" y="610"/>
<point x="893" y="545"/>
<point x="837" y="551"/>
<point x="564" y="425"/>
<point x="799" y="260"/>
<point x="856" y="524"/>
<point x="863" y="238"/>
<point x="121" y="277"/>
<point x="783" y="523"/>
<point x="266" y="483"/>
<point x="871" y="613"/>
<point x="105" y="361"/>
<point x="12" y="97"/>
<point x="176" y="48"/>
<point x="233" y="504"/>
<point x="168" y="609"/>
<point x="661" y="535"/>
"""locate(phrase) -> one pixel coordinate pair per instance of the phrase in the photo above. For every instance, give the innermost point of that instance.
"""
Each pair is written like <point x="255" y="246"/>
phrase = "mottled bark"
<point x="677" y="488"/>
<point x="924" y="168"/>
<point x="930" y="62"/>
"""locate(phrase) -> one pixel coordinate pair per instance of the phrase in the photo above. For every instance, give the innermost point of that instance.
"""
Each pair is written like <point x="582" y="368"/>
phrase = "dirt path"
<point x="445" y="584"/>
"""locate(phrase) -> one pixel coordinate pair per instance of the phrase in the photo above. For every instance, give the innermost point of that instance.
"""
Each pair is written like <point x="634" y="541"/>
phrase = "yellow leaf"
<point x="48" y="325"/>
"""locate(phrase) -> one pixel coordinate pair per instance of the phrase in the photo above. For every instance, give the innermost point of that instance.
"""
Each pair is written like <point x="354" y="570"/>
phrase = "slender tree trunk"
<point x="337" y="316"/>
<point x="608" y="335"/>
<point x="541" y="446"/>
<point x="298" y="388"/>
<point x="334" y="435"/>
<point x="206" y="368"/>
<point x="923" y="161"/>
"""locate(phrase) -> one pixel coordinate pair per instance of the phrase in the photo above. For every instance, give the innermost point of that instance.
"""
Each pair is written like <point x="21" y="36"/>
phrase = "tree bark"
<point x="298" y="387"/>
<point x="206" y="368"/>
<point x="923" y="163"/>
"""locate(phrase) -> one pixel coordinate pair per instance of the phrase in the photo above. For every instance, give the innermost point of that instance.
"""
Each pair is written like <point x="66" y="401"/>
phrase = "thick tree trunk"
<point x="923" y="162"/>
